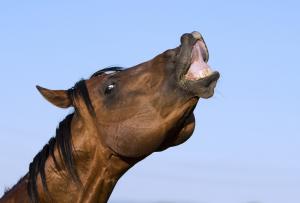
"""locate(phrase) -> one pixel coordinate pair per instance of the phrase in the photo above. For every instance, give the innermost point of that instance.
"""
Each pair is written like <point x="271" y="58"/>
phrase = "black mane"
<point x="37" y="166"/>
<point x="63" y="141"/>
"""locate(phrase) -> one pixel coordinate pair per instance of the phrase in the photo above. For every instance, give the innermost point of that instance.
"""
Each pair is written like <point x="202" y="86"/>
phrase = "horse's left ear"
<point x="60" y="98"/>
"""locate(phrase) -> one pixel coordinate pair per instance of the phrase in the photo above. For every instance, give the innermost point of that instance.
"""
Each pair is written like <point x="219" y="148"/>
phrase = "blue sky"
<point x="246" y="146"/>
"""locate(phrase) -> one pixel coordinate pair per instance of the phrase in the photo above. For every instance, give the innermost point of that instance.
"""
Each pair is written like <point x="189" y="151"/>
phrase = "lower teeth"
<point x="203" y="73"/>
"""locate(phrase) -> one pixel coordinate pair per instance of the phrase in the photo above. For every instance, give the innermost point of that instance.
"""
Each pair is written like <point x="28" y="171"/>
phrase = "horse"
<point x="120" y="117"/>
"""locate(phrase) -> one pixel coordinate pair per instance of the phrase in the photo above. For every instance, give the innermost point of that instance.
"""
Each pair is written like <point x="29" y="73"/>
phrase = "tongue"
<point x="198" y="69"/>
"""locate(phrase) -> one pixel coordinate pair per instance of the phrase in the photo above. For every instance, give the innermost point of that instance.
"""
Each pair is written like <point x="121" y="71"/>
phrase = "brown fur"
<point x="119" y="119"/>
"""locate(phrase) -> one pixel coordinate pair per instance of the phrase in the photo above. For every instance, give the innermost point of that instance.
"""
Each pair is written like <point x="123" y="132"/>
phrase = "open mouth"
<point x="193" y="73"/>
<point x="199" y="69"/>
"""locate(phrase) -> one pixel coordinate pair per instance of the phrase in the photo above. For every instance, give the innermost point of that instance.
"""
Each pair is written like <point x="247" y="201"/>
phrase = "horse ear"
<point x="60" y="98"/>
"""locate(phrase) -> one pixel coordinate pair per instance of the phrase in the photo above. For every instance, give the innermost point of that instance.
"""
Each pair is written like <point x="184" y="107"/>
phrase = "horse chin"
<point x="180" y="135"/>
<point x="186" y="131"/>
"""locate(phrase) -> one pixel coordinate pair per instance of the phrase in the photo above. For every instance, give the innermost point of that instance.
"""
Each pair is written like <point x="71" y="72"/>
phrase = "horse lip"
<point x="203" y="44"/>
<point x="185" y="59"/>
<point x="214" y="76"/>
<point x="188" y="42"/>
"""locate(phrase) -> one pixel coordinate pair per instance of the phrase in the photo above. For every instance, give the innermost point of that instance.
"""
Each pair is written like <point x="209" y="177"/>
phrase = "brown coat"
<point x="120" y="118"/>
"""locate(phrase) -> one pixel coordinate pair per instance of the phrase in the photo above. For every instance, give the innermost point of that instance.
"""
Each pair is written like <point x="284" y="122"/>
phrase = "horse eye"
<point x="109" y="88"/>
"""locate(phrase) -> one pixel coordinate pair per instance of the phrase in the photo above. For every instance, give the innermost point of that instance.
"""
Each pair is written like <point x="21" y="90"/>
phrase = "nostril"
<point x="185" y="38"/>
<point x="188" y="39"/>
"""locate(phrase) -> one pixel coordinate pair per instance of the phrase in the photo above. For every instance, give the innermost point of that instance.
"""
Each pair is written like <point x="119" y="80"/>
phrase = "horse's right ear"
<point x="59" y="98"/>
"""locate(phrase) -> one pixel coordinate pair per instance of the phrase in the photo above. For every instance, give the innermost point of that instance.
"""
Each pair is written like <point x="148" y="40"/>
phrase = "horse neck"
<point x="97" y="166"/>
<point x="17" y="193"/>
